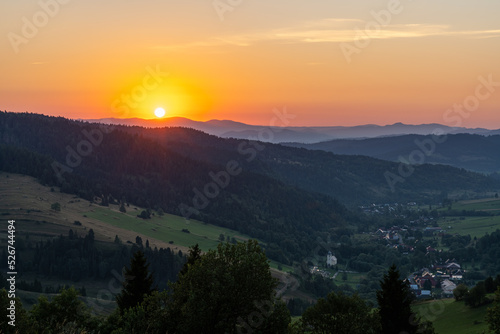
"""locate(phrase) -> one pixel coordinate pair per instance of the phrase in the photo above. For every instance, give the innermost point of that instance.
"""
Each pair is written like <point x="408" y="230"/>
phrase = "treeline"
<point x="477" y="295"/>
<point x="227" y="290"/>
<point x="467" y="213"/>
<point x="483" y="252"/>
<point x="75" y="258"/>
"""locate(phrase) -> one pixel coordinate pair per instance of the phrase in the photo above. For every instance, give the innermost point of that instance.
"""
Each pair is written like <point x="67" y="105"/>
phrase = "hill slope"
<point x="472" y="152"/>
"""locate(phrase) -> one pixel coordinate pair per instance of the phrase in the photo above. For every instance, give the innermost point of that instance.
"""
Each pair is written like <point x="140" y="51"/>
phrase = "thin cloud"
<point x="334" y="30"/>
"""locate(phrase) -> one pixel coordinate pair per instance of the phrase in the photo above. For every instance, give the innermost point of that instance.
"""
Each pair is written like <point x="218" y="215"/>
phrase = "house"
<point x="453" y="266"/>
<point x="331" y="260"/>
<point x="449" y="267"/>
<point x="425" y="277"/>
<point x="448" y="287"/>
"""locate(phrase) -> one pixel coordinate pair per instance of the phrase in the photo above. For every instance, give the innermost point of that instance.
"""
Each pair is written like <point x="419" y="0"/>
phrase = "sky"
<point x="332" y="62"/>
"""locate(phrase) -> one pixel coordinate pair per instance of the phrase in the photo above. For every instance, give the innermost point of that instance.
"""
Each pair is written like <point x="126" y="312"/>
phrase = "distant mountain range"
<point x="307" y="135"/>
<point x="469" y="151"/>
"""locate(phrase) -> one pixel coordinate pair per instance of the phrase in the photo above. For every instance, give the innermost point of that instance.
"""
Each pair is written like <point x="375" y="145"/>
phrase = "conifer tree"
<point x="194" y="255"/>
<point x="137" y="285"/>
<point x="394" y="300"/>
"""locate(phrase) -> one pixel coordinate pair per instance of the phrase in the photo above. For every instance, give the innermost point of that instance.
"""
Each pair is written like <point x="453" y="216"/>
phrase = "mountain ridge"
<point x="300" y="134"/>
<point x="470" y="151"/>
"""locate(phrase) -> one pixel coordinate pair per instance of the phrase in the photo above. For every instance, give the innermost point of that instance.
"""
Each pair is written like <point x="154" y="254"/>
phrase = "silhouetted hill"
<point x="472" y="152"/>
<point x="313" y="134"/>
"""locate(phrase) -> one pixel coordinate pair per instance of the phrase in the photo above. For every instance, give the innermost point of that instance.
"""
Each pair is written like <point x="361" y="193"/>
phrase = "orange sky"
<point x="125" y="58"/>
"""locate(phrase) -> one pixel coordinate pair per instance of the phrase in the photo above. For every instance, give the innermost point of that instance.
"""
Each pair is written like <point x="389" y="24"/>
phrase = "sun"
<point x="159" y="112"/>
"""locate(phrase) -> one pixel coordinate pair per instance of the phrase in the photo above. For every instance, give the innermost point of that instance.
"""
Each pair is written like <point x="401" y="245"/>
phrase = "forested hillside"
<point x="472" y="152"/>
<point x="284" y="196"/>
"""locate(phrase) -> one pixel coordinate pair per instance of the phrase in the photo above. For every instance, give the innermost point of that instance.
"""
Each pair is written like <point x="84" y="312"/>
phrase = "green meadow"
<point x="489" y="204"/>
<point x="451" y="317"/>
<point x="475" y="226"/>
<point x="172" y="229"/>
<point x="168" y="228"/>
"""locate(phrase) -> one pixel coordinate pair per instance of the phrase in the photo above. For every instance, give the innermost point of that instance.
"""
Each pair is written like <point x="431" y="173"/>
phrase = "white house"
<point x="331" y="260"/>
<point x="448" y="287"/>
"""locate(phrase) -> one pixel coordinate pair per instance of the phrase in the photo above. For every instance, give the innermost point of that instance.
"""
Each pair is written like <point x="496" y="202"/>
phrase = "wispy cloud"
<point x="334" y="30"/>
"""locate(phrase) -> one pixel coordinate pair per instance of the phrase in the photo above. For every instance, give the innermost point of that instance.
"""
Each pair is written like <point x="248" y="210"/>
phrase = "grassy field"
<point x="27" y="202"/>
<point x="475" y="226"/>
<point x="487" y="204"/>
<point x="450" y="317"/>
<point x="23" y="199"/>
<point x="168" y="228"/>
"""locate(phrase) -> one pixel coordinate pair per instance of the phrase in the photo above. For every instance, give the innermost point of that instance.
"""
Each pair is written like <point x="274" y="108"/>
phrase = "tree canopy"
<point x="227" y="290"/>
<point x="493" y="314"/>
<point x="340" y="314"/>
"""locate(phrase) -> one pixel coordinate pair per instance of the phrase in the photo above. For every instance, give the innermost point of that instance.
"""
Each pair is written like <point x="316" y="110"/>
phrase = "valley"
<point x="131" y="192"/>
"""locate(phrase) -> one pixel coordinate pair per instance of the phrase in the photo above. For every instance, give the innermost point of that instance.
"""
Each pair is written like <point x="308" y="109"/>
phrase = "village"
<point x="437" y="280"/>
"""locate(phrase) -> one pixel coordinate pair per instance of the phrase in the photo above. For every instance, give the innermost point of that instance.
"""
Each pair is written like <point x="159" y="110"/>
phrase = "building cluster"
<point x="331" y="261"/>
<point x="403" y="237"/>
<point x="444" y="276"/>
<point x="317" y="271"/>
<point x="385" y="208"/>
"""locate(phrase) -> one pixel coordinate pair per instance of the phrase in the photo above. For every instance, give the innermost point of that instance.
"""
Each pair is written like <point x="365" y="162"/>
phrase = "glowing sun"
<point x="159" y="112"/>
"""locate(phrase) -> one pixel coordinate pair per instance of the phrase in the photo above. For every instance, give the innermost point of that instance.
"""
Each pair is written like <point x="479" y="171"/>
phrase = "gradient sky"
<point x="93" y="59"/>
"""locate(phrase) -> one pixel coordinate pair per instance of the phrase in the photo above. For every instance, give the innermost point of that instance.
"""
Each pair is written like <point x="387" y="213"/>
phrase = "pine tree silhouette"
<point x="394" y="300"/>
<point x="138" y="283"/>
